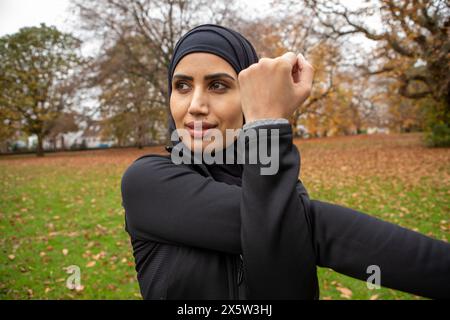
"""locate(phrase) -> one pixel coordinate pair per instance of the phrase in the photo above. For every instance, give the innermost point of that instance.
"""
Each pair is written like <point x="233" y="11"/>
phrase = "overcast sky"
<point x="15" y="14"/>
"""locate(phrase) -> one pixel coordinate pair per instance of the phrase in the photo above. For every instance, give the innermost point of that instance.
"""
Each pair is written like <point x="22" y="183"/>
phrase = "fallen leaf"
<point x="11" y="257"/>
<point x="65" y="252"/>
<point x="345" y="292"/>
<point x="91" y="264"/>
<point x="79" y="288"/>
<point x="111" y="287"/>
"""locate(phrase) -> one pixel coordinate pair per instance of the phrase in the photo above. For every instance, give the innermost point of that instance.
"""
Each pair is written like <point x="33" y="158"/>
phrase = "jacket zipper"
<point x="240" y="270"/>
<point x="236" y="276"/>
<point x="235" y="280"/>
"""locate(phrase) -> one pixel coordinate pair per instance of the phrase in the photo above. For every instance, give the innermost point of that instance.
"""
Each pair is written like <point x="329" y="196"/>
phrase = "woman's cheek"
<point x="177" y="113"/>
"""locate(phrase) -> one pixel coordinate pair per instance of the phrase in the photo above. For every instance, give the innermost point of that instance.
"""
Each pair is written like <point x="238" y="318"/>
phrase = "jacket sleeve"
<point x="174" y="204"/>
<point x="265" y="220"/>
<point x="350" y="242"/>
<point x="278" y="255"/>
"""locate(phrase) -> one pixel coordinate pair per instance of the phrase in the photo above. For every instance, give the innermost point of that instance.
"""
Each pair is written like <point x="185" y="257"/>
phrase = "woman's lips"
<point x="198" y="133"/>
<point x="200" y="129"/>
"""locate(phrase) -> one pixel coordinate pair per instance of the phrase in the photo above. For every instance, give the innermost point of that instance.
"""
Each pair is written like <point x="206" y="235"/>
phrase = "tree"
<point x="35" y="67"/>
<point x="142" y="34"/>
<point x="292" y="26"/>
<point x="64" y="123"/>
<point x="413" y="45"/>
<point x="125" y="95"/>
<point x="9" y="125"/>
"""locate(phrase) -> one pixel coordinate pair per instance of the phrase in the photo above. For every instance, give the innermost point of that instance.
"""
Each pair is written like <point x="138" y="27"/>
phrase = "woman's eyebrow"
<point x="218" y="75"/>
<point x="207" y="77"/>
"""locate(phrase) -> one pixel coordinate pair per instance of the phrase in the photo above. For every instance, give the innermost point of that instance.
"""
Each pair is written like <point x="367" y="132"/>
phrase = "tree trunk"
<point x="140" y="136"/>
<point x="40" y="148"/>
<point x="63" y="147"/>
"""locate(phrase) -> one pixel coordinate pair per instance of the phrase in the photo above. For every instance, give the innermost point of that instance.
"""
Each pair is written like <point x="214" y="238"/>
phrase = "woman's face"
<point x="205" y="91"/>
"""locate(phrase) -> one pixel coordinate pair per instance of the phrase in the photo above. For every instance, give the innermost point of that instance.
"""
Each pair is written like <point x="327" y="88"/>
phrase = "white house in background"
<point x="89" y="136"/>
<point x="373" y="130"/>
<point x="302" y="131"/>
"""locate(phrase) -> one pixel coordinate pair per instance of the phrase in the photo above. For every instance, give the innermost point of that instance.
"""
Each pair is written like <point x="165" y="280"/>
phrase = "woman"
<point x="226" y="231"/>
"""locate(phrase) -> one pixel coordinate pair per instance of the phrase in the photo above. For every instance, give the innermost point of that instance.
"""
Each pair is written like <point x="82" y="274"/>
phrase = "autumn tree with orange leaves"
<point x="413" y="47"/>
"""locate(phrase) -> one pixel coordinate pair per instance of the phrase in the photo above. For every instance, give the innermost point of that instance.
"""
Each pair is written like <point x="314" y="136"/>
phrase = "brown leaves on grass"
<point x="90" y="264"/>
<point x="343" y="159"/>
<point x="345" y="292"/>
<point x="122" y="157"/>
<point x="331" y="164"/>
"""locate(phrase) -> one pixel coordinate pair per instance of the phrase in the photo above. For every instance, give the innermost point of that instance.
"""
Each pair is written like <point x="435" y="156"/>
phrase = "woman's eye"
<point x="181" y="86"/>
<point x="218" y="86"/>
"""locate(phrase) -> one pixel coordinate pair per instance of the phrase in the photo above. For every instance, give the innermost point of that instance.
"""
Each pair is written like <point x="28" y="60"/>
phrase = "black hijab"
<point x="230" y="46"/>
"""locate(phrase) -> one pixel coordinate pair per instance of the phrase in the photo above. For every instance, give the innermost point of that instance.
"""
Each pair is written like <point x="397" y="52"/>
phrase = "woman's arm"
<point x="349" y="242"/>
<point x="265" y="220"/>
<point x="174" y="204"/>
<point x="279" y="260"/>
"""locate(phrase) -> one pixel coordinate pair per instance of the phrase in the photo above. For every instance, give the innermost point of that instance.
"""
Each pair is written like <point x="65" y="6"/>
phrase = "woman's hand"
<point x="275" y="88"/>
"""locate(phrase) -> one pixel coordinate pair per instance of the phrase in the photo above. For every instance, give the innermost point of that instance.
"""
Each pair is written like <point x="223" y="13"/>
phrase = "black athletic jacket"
<point x="197" y="237"/>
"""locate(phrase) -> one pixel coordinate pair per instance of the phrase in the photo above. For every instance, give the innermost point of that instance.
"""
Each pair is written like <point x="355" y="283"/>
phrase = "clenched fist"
<point x="275" y="88"/>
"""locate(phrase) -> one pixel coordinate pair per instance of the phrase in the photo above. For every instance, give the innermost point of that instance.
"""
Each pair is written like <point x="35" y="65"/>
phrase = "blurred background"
<point x="83" y="92"/>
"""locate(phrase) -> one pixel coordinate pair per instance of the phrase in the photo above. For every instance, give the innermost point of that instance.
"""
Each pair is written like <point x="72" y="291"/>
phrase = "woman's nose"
<point x="199" y="103"/>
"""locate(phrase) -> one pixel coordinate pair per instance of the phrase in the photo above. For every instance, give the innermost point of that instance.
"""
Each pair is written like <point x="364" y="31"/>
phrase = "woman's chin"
<point x="202" y="146"/>
<point x="205" y="145"/>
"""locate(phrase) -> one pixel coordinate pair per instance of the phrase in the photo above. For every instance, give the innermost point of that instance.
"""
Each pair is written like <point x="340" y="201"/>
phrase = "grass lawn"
<point x="65" y="209"/>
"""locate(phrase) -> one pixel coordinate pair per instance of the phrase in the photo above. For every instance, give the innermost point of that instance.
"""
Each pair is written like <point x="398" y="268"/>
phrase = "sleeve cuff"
<point x="260" y="122"/>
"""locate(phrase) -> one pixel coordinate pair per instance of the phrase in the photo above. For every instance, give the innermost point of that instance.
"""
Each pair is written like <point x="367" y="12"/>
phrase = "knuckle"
<point x="283" y="64"/>
<point x="242" y="74"/>
<point x="265" y="63"/>
<point x="290" y="53"/>
<point x="245" y="73"/>
<point x="249" y="71"/>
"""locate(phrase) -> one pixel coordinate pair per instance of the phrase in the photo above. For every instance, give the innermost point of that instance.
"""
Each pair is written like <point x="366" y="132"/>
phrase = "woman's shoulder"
<point x="145" y="172"/>
<point x="152" y="159"/>
<point x="147" y="165"/>
<point x="154" y="168"/>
